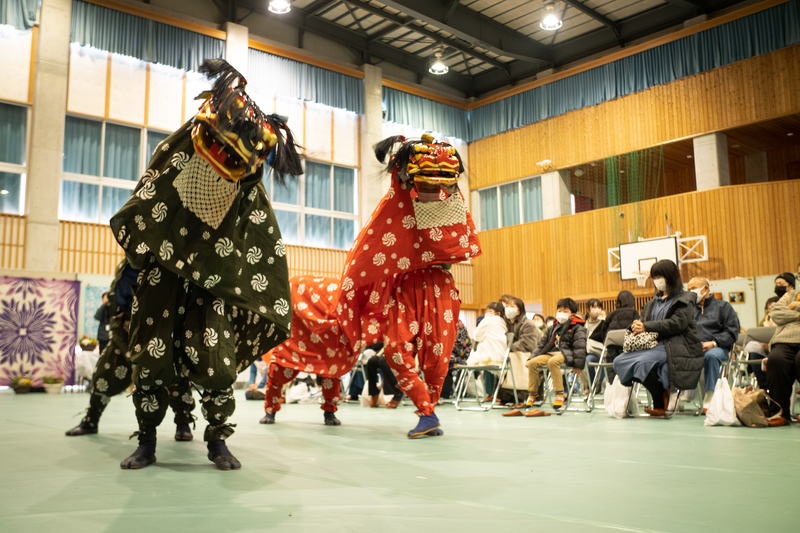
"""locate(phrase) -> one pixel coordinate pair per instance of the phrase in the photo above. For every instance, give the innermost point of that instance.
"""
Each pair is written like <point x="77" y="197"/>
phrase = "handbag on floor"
<point x="637" y="343"/>
<point x="615" y="399"/>
<point x="752" y="407"/>
<point x="722" y="410"/>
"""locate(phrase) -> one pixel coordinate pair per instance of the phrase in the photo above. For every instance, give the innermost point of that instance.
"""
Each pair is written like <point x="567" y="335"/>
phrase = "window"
<point x="317" y="209"/>
<point x="511" y="203"/>
<point x="102" y="164"/>
<point x="13" y="161"/>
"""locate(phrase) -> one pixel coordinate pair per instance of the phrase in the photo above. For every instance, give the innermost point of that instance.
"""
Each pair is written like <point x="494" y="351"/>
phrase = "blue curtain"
<point x="82" y="146"/>
<point x="10" y="189"/>
<point x="286" y="193"/>
<point x="509" y="204"/>
<point x="153" y="138"/>
<point x="121" y="159"/>
<point x="12" y="133"/>
<point x="269" y="73"/>
<point x="344" y="189"/>
<point x="318" y="187"/>
<point x="344" y="233"/>
<point x="489" y="214"/>
<point x="288" y="224"/>
<point x="113" y="200"/>
<point x="532" y="199"/>
<point x="318" y="231"/>
<point x="121" y="33"/>
<point x="760" y="33"/>
<point x="424" y="114"/>
<point x="19" y="13"/>
<point x="79" y="202"/>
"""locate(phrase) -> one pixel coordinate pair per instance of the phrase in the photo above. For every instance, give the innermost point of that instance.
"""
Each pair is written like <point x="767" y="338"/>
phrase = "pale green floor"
<point x="577" y="472"/>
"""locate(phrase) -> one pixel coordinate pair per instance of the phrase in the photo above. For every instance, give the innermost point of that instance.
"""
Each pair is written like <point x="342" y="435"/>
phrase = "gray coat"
<point x="678" y="332"/>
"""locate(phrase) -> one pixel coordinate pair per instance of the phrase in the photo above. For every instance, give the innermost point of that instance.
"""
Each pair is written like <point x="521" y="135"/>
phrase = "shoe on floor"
<point x="656" y="413"/>
<point x="222" y="458"/>
<point x="558" y="402"/>
<point x="436" y="432"/>
<point x="144" y="455"/>
<point x="269" y="418"/>
<point x="373" y="400"/>
<point x="513" y="412"/>
<point x="536" y="413"/>
<point x="778" y="422"/>
<point x="531" y="400"/>
<point x="84" y="428"/>
<point x="331" y="420"/>
<point x="183" y="432"/>
<point x="392" y="404"/>
<point x="427" y="423"/>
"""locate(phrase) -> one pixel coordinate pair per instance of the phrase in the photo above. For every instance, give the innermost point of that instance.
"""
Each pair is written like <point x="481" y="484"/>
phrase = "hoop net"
<point x="641" y="277"/>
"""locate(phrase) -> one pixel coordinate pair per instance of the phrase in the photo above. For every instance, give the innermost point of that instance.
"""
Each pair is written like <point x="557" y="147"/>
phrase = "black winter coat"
<point x="678" y="332"/>
<point x="619" y="319"/>
<point x="572" y="342"/>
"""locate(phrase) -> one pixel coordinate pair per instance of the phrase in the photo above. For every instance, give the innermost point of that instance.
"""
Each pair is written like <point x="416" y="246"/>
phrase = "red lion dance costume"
<point x="396" y="287"/>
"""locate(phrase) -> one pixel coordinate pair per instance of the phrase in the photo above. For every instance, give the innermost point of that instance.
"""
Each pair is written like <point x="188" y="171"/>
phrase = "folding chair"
<point x="615" y="337"/>
<point x="361" y="366"/>
<point x="467" y="373"/>
<point x="762" y="334"/>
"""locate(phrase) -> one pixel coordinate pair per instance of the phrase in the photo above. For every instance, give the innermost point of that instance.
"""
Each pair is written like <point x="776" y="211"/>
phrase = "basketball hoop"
<point x="641" y="277"/>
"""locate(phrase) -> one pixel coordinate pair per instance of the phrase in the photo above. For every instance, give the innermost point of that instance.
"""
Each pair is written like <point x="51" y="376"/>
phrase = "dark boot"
<point x="269" y="418"/>
<point x="222" y="458"/>
<point x="331" y="420"/>
<point x="144" y="455"/>
<point x="183" y="432"/>
<point x="427" y="424"/>
<point x="86" y="427"/>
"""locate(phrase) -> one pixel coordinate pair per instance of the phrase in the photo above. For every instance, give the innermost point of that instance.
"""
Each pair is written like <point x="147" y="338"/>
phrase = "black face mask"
<point x="780" y="291"/>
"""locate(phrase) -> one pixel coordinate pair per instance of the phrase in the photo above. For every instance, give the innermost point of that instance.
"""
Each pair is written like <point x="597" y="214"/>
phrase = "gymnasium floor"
<point x="576" y="473"/>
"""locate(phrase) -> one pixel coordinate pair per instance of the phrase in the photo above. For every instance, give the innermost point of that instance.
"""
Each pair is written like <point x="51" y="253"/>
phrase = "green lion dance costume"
<point x="213" y="283"/>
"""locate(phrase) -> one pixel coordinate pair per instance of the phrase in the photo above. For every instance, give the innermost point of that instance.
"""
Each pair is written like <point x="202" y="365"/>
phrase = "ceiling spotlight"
<point x="437" y="66"/>
<point x="688" y="157"/>
<point x="578" y="173"/>
<point x="789" y="134"/>
<point x="4" y="192"/>
<point x="281" y="7"/>
<point x="551" y="21"/>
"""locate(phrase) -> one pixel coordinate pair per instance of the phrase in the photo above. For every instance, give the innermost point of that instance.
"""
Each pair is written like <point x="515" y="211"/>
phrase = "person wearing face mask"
<point x="593" y="348"/>
<point x="677" y="359"/>
<point x="718" y="328"/>
<point x="526" y="335"/>
<point x="549" y="321"/>
<point x="622" y="317"/>
<point x="491" y="336"/>
<point x="783" y="364"/>
<point x="538" y="321"/>
<point x="563" y="342"/>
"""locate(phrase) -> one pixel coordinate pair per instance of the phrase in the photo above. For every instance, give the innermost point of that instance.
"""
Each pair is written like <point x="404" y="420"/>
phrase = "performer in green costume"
<point x="112" y="375"/>
<point x="213" y="287"/>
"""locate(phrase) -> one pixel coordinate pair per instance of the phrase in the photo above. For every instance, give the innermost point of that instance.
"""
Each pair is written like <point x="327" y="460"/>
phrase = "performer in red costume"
<point x="396" y="286"/>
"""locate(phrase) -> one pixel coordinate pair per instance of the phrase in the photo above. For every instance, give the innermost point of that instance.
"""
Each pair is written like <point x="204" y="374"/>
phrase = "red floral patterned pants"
<point x="278" y="376"/>
<point x="423" y="319"/>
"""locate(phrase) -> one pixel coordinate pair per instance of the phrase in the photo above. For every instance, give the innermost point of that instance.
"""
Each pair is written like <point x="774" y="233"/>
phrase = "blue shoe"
<point x="425" y="426"/>
<point x="436" y="432"/>
<point x="269" y="418"/>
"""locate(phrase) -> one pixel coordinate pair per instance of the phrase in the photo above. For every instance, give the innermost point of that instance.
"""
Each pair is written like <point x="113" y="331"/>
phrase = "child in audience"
<point x="491" y="334"/>
<point x="549" y="322"/>
<point x="593" y="348"/>
<point x="622" y="317"/>
<point x="538" y="321"/>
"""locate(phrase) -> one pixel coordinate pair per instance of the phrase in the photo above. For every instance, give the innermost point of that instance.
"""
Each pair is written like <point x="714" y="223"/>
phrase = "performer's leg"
<point x="182" y="403"/>
<point x="277" y="377"/>
<point x="331" y="394"/>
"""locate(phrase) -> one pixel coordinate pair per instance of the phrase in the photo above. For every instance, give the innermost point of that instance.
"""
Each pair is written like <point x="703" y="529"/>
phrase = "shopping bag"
<point x="722" y="410"/>
<point x="615" y="399"/>
<point x="752" y="407"/>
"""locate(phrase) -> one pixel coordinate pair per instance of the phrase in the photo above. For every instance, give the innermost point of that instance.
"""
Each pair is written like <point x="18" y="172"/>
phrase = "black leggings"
<point x="653" y="385"/>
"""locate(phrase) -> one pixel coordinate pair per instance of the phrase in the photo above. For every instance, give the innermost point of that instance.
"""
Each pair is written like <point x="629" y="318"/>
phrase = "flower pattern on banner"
<point x="38" y="328"/>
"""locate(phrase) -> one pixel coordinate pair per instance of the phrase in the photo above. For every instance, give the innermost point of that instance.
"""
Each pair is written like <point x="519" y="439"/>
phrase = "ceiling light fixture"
<point x="736" y="146"/>
<point x="789" y="134"/>
<point x="4" y="192"/>
<point x="281" y="7"/>
<point x="437" y="66"/>
<point x="688" y="157"/>
<point x="551" y="21"/>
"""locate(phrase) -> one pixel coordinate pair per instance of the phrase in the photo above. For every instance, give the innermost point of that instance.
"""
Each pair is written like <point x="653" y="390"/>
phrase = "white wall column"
<point x="711" y="165"/>
<point x="374" y="180"/>
<point x="756" y="169"/>
<point x="236" y="46"/>
<point x="47" y="135"/>
<point x="556" y="201"/>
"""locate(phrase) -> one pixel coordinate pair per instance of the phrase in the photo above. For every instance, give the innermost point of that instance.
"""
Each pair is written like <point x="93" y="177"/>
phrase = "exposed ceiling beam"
<point x="577" y="4"/>
<point x="475" y="29"/>
<point x="452" y="6"/>
<point x="317" y="5"/>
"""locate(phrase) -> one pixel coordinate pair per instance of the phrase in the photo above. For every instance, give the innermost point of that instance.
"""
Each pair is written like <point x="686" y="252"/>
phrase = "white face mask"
<point x="699" y="293"/>
<point x="594" y="312"/>
<point x="538" y="323"/>
<point x="549" y="323"/>
<point x="660" y="283"/>
<point x="562" y="317"/>
<point x="511" y="313"/>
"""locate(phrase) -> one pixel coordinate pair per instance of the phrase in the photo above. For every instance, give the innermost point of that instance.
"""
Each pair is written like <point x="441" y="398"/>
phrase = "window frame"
<point x="101" y="180"/>
<point x="301" y="209"/>
<point x="518" y="182"/>
<point x="24" y="168"/>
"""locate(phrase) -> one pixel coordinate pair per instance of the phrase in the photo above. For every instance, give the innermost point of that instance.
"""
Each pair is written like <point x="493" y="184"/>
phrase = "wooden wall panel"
<point x="747" y="228"/>
<point x="778" y="162"/>
<point x="12" y="241"/>
<point x="745" y="92"/>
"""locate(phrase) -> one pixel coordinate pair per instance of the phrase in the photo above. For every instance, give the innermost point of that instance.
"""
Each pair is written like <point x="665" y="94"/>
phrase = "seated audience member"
<point x="461" y="350"/>
<point x="563" y="343"/>
<point x="718" y="329"/>
<point x="356" y="387"/>
<point x="760" y="350"/>
<point x="491" y="336"/>
<point x="622" y="317"/>
<point x="593" y="349"/>
<point x="549" y="321"/>
<point x="677" y="359"/>
<point x="526" y="335"/>
<point x="783" y="363"/>
<point x="538" y="321"/>
<point x="377" y="363"/>
<point x="256" y="391"/>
